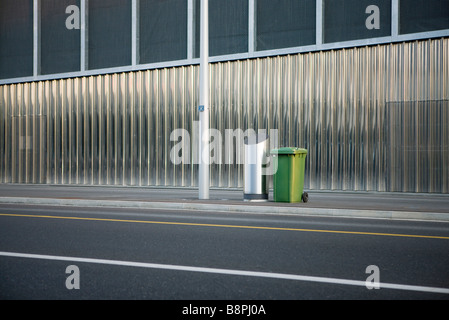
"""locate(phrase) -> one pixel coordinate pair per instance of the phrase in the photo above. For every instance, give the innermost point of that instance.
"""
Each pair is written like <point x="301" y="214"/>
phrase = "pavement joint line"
<point x="226" y="226"/>
<point x="260" y="274"/>
<point x="244" y="208"/>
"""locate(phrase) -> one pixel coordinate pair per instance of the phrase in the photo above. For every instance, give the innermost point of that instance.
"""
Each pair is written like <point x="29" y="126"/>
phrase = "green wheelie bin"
<point x="288" y="180"/>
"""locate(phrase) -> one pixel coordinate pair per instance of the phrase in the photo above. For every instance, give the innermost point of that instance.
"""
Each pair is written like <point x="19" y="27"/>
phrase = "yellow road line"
<point x="227" y="226"/>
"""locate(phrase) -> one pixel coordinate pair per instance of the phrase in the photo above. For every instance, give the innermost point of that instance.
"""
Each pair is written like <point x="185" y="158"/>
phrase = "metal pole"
<point x="204" y="147"/>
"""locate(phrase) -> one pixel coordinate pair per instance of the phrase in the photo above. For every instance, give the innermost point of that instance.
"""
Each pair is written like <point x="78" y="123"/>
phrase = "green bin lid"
<point x="289" y="150"/>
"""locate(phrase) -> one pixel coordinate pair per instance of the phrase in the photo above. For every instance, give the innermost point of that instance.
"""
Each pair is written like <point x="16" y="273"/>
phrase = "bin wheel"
<point x="305" y="197"/>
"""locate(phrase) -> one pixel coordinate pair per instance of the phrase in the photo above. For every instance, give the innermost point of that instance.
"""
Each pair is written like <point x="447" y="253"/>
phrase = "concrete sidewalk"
<point x="432" y="207"/>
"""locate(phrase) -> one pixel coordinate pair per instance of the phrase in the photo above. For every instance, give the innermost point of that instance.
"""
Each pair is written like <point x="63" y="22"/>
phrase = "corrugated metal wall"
<point x="372" y="118"/>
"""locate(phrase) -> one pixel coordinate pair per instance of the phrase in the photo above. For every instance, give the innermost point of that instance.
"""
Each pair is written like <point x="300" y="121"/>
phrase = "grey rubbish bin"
<point x="255" y="185"/>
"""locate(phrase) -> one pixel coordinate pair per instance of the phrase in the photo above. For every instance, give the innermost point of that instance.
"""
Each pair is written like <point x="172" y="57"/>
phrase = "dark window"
<point x="163" y="30"/>
<point x="109" y="33"/>
<point x="285" y="23"/>
<point x="16" y="38"/>
<point x="60" y="45"/>
<point x="228" y="27"/>
<point x="347" y="19"/>
<point x="423" y="15"/>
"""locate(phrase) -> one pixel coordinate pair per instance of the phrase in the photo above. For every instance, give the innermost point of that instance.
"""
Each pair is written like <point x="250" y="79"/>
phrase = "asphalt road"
<point x="147" y="254"/>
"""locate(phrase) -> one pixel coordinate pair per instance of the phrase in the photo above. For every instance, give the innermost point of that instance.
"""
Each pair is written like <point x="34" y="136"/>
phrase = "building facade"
<point x="92" y="90"/>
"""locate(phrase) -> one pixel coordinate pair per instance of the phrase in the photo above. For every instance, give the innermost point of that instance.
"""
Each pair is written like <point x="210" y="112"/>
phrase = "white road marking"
<point x="282" y="276"/>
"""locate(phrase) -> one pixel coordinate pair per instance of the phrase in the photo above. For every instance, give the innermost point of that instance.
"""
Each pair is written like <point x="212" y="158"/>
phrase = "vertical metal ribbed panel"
<point x="372" y="118"/>
<point x="102" y="130"/>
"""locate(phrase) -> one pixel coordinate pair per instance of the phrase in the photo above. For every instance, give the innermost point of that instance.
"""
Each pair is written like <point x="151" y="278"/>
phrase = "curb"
<point x="319" y="212"/>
